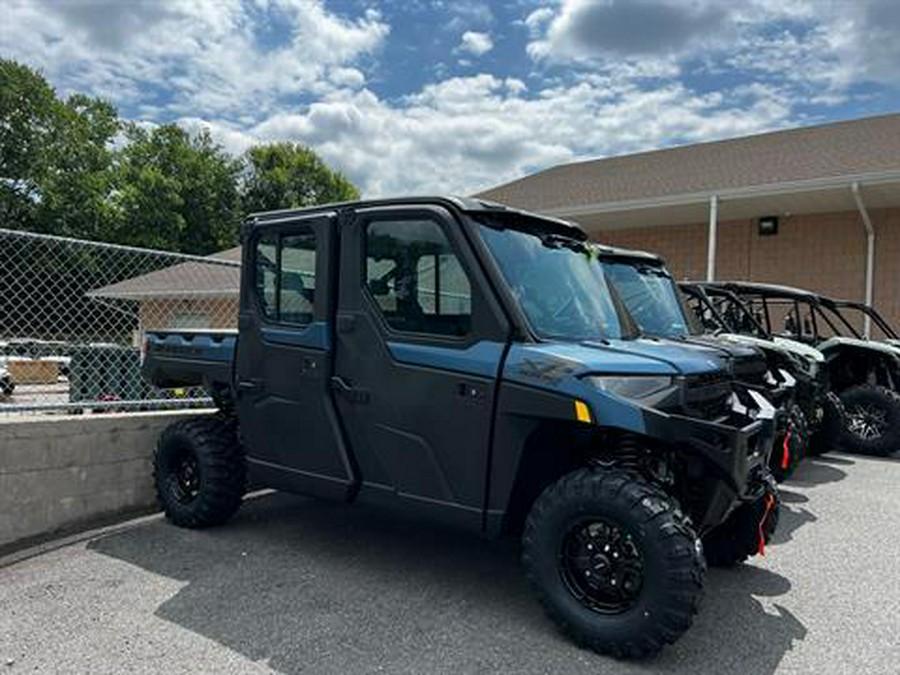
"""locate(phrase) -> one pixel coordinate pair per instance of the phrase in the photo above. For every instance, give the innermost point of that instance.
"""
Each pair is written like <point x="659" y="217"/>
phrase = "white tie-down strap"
<point x="737" y="406"/>
<point x="789" y="380"/>
<point x="766" y="411"/>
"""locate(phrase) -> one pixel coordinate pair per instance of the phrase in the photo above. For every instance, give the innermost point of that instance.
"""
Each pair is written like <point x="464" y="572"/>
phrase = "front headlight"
<point x="631" y="386"/>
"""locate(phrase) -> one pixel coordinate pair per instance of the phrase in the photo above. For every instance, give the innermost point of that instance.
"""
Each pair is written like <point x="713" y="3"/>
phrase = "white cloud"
<point x="468" y="133"/>
<point x="864" y="36"/>
<point x="475" y="43"/>
<point x="824" y="47"/>
<point x="608" y="77"/>
<point x="592" y="28"/>
<point x="209" y="57"/>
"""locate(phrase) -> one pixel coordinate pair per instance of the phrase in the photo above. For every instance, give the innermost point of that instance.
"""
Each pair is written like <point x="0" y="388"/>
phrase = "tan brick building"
<point x="834" y="189"/>
<point x="192" y="294"/>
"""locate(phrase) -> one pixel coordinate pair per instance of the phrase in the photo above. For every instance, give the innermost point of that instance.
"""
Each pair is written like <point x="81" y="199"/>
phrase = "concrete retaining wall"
<point x="61" y="473"/>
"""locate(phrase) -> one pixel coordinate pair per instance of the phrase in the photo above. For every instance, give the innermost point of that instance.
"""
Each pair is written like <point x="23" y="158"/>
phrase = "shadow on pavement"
<point x="307" y="586"/>
<point x="818" y="471"/>
<point x="789" y="497"/>
<point x="791" y="518"/>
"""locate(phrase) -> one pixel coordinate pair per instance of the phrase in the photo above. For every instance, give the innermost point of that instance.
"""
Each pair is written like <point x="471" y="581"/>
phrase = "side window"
<point x="286" y="276"/>
<point x="267" y="274"/>
<point x="416" y="279"/>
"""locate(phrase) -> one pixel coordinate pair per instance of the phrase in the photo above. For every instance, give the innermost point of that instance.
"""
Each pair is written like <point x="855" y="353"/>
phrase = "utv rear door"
<point x="419" y="344"/>
<point x="287" y="420"/>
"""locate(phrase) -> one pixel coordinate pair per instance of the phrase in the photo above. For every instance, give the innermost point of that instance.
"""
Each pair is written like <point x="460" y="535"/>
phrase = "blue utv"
<point x="468" y="363"/>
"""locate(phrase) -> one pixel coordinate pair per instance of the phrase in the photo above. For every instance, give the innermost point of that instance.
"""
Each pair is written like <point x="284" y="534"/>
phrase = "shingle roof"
<point x="864" y="146"/>
<point x="186" y="280"/>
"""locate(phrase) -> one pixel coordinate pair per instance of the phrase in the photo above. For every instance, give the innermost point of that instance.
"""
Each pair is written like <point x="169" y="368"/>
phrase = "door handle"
<point x="470" y="392"/>
<point x="249" y="385"/>
<point x="352" y="394"/>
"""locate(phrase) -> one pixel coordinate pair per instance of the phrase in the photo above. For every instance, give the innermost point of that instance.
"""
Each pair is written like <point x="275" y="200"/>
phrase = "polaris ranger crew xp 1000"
<point x="466" y="362"/>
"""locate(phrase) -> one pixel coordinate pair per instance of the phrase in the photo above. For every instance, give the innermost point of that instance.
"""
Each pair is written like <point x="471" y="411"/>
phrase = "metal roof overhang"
<point x="821" y="195"/>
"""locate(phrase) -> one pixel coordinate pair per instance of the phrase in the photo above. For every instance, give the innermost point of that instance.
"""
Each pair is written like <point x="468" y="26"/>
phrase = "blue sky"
<point x="457" y="95"/>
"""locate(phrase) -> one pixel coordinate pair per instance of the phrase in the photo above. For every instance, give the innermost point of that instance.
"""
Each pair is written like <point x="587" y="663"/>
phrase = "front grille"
<point x="714" y="378"/>
<point x="751" y="371"/>
<point x="707" y="395"/>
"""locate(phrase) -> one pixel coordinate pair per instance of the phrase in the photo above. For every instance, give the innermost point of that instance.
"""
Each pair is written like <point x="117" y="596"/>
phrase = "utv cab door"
<point x="288" y="423"/>
<point x="419" y="345"/>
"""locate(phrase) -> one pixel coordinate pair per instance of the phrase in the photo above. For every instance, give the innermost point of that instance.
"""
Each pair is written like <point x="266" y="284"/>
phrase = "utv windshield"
<point x="557" y="284"/>
<point x="651" y="297"/>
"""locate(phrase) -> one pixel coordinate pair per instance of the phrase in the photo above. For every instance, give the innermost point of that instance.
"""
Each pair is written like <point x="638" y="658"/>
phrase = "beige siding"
<point x="161" y="314"/>
<point x="824" y="252"/>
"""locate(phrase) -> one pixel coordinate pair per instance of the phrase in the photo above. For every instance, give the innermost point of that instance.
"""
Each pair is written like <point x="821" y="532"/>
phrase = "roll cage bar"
<point x="707" y="292"/>
<point x="821" y="309"/>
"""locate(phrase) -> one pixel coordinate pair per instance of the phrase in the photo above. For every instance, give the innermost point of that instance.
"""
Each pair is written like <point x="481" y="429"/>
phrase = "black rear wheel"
<point x="614" y="562"/>
<point x="873" y="420"/>
<point x="199" y="472"/>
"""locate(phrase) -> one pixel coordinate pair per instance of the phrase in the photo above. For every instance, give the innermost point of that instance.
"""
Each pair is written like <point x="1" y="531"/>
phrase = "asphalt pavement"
<point x="298" y="586"/>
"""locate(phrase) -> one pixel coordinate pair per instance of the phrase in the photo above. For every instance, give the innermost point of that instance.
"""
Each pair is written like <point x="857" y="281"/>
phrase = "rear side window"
<point x="286" y="276"/>
<point x="415" y="278"/>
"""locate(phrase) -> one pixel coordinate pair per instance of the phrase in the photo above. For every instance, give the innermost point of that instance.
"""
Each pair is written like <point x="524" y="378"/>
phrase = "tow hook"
<point x="769" y="502"/>
<point x="786" y="451"/>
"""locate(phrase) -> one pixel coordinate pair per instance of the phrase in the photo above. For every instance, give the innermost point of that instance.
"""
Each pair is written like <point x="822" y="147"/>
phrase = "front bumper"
<point x="726" y="459"/>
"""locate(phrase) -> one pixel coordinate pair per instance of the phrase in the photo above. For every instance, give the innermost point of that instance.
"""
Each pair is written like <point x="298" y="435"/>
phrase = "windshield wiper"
<point x="560" y="241"/>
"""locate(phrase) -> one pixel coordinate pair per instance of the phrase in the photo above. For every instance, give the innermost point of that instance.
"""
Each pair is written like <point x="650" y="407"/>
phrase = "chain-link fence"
<point x="72" y="315"/>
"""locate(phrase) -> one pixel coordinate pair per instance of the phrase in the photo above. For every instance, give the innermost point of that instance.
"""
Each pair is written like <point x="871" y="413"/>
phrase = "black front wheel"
<point x="788" y="450"/>
<point x="831" y="430"/>
<point x="614" y="562"/>
<point x="873" y="420"/>
<point x="199" y="472"/>
<point x="746" y="531"/>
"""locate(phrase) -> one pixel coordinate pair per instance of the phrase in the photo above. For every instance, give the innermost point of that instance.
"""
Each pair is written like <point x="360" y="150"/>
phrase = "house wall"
<point x="219" y="313"/>
<point x="824" y="252"/>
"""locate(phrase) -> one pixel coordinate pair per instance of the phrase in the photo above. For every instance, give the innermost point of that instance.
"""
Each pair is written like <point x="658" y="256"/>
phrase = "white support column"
<point x="870" y="255"/>
<point x="711" y="238"/>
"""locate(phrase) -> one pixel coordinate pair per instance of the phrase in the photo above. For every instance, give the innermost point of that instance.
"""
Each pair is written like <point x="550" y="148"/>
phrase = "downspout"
<point x="711" y="238"/>
<point x="870" y="254"/>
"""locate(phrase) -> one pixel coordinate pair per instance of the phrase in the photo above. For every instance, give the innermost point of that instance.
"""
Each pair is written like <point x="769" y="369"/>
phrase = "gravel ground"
<point x="294" y="585"/>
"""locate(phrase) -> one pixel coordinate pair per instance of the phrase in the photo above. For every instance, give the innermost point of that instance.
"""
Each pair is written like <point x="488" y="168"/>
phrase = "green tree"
<point x="55" y="156"/>
<point x="72" y="167"/>
<point x="176" y="191"/>
<point x="28" y="111"/>
<point x="76" y="192"/>
<point x="289" y="175"/>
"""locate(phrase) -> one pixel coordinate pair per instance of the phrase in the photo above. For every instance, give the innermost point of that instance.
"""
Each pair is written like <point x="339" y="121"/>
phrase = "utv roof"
<point x="628" y="254"/>
<point x="467" y="205"/>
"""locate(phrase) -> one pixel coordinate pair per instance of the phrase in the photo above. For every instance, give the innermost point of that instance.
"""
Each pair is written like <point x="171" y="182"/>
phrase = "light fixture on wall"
<point x="767" y="226"/>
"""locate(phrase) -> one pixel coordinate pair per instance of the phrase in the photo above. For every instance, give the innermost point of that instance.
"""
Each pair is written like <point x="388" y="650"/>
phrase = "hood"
<point x="778" y="344"/>
<point x="626" y="357"/>
<point x="726" y="344"/>
<point x="861" y="344"/>
<point x="799" y="348"/>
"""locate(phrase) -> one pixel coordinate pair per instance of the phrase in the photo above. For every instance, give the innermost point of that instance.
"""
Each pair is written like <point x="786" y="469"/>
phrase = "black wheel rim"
<point x="602" y="566"/>
<point x="184" y="477"/>
<point x="867" y="421"/>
